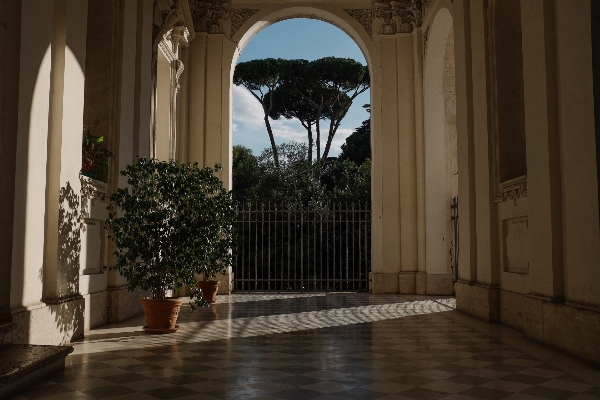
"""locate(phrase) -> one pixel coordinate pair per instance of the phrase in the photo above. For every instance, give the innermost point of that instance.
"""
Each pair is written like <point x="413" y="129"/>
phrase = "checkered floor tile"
<point x="334" y="346"/>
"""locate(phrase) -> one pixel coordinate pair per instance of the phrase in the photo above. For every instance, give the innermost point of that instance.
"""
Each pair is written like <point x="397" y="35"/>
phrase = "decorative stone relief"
<point x="401" y="16"/>
<point x="427" y="7"/>
<point x="239" y="16"/>
<point x="516" y="245"/>
<point x="383" y="13"/>
<point x="512" y="189"/>
<point x="364" y="17"/>
<point x="179" y="67"/>
<point x="210" y="16"/>
<point x="91" y="189"/>
<point x="180" y="35"/>
<point x="166" y="17"/>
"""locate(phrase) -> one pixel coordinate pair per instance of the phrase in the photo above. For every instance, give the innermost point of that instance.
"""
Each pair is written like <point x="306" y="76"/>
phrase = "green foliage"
<point x="94" y="157"/>
<point x="295" y="182"/>
<point x="348" y="182"/>
<point x="298" y="181"/>
<point x="245" y="174"/>
<point x="358" y="145"/>
<point x="173" y="222"/>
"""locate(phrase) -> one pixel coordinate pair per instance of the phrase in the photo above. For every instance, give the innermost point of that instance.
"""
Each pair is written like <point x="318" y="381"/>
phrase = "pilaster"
<point x="10" y="37"/>
<point x="63" y="202"/>
<point x="546" y="274"/>
<point x="485" y="210"/>
<point x="581" y="231"/>
<point x="465" y="141"/>
<point x="407" y="149"/>
<point x="391" y="245"/>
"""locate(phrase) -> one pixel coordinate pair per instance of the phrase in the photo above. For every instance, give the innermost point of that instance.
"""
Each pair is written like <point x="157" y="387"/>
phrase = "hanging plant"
<point x="94" y="157"/>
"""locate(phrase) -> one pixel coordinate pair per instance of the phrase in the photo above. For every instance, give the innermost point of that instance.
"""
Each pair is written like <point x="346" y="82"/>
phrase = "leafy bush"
<point x="173" y="223"/>
<point x="298" y="181"/>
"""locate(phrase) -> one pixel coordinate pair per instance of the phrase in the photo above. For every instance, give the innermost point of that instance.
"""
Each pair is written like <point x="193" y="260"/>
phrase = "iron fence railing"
<point x="455" y="244"/>
<point x="321" y="247"/>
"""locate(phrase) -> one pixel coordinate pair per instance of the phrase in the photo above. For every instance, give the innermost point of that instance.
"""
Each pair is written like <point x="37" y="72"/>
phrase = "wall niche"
<point x="507" y="104"/>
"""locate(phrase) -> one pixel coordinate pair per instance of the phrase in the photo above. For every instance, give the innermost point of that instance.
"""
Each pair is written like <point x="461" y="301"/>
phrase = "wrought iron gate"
<point x="323" y="247"/>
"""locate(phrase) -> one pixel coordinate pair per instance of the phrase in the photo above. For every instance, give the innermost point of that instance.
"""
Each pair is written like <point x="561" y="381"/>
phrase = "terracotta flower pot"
<point x="209" y="290"/>
<point x="161" y="315"/>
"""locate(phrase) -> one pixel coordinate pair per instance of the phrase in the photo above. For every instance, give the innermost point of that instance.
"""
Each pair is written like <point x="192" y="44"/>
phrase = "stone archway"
<point x="389" y="35"/>
<point x="440" y="146"/>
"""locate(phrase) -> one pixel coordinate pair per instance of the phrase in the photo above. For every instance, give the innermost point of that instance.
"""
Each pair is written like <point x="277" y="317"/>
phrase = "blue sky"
<point x="295" y="38"/>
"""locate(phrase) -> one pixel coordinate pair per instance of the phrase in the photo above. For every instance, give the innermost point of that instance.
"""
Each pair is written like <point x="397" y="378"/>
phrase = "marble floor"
<point x="319" y="346"/>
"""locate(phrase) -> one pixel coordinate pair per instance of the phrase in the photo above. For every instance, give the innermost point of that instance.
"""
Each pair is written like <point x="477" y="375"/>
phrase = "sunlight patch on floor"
<point x="227" y="328"/>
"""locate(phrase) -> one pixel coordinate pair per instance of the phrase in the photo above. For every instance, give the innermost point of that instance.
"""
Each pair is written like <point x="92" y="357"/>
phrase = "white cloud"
<point x="247" y="111"/>
<point x="339" y="139"/>
<point x="289" y="130"/>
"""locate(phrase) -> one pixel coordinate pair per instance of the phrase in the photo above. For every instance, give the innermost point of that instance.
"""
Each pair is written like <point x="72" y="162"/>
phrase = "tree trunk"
<point x="310" y="143"/>
<point x="272" y="139"/>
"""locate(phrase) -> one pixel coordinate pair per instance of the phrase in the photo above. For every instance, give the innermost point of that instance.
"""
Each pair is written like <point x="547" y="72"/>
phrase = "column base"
<point x="225" y="282"/>
<point x="570" y="327"/>
<point x="381" y="283"/>
<point x="412" y="282"/>
<point x="96" y="310"/>
<point x="479" y="300"/>
<point x="123" y="304"/>
<point x="49" y="324"/>
<point x="423" y="283"/>
<point x="6" y="328"/>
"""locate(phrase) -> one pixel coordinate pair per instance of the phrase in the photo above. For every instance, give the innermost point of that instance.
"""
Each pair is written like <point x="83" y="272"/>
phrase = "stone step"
<point x="21" y="365"/>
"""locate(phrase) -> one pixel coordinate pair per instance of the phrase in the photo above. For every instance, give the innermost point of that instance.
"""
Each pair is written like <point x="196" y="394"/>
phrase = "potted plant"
<point x="94" y="157"/>
<point x="171" y="223"/>
<point x="209" y="285"/>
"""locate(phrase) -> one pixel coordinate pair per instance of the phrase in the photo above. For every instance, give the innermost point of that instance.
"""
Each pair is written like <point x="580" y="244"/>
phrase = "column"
<point x="10" y="33"/>
<point x="487" y="263"/>
<point x="578" y="148"/>
<point x="385" y="275"/>
<point x="407" y="165"/>
<point x="546" y="276"/>
<point x="467" y="269"/>
<point x="209" y="102"/>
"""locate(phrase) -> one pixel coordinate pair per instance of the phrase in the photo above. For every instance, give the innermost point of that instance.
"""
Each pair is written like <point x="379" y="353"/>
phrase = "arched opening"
<point x="310" y="274"/>
<point x="441" y="170"/>
<point x="296" y="38"/>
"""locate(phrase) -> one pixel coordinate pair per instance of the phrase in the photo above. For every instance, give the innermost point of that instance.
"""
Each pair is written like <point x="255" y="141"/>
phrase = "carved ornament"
<point x="165" y="19"/>
<point x="180" y="35"/>
<point x="364" y="17"/>
<point x="512" y="189"/>
<point x="92" y="189"/>
<point x="239" y="16"/>
<point x="210" y="16"/>
<point x="401" y="16"/>
<point x="179" y="67"/>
